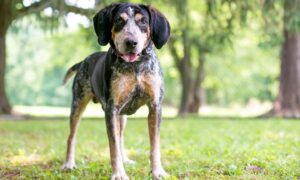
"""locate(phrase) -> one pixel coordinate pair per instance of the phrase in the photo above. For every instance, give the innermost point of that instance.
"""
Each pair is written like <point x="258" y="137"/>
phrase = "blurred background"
<point x="224" y="57"/>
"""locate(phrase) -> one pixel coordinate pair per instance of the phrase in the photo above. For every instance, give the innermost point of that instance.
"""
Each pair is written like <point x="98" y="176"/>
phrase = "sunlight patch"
<point x="23" y="159"/>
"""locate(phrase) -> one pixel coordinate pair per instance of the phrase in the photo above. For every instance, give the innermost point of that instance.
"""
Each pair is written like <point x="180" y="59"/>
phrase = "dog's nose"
<point x="130" y="43"/>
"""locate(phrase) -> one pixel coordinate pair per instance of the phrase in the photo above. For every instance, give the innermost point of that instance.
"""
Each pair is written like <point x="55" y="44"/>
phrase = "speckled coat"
<point x="130" y="84"/>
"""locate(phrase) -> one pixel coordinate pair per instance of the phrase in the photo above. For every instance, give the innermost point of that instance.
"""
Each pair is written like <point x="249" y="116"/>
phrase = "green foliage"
<point x="38" y="62"/>
<point x="241" y="38"/>
<point x="284" y="13"/>
<point x="242" y="71"/>
<point x="171" y="78"/>
<point x="203" y="149"/>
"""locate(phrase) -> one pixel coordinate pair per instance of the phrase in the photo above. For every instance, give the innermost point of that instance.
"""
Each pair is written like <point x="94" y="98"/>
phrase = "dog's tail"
<point x="71" y="71"/>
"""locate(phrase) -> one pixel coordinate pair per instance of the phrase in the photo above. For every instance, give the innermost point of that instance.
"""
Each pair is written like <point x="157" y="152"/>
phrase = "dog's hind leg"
<point x="78" y="107"/>
<point x="122" y="122"/>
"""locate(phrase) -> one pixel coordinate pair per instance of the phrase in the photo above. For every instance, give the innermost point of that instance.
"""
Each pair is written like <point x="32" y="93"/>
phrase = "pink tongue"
<point x="131" y="57"/>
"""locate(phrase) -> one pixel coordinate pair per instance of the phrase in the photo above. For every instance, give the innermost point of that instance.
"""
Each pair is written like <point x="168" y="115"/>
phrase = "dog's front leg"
<point x="123" y="121"/>
<point x="154" y="119"/>
<point x="111" y="117"/>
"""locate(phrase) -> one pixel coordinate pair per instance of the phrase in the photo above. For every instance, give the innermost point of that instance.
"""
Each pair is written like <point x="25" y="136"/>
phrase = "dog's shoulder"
<point x="101" y="75"/>
<point x="93" y="59"/>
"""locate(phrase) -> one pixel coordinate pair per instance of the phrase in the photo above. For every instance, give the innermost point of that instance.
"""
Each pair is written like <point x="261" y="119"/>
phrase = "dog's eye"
<point x="120" y="21"/>
<point x="143" y="21"/>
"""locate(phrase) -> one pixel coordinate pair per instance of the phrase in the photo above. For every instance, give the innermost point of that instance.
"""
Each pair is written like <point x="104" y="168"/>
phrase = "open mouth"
<point x="130" y="57"/>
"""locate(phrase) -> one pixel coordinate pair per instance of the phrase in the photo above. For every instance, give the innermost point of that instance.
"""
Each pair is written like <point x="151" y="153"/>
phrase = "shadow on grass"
<point x="52" y="170"/>
<point x="19" y="117"/>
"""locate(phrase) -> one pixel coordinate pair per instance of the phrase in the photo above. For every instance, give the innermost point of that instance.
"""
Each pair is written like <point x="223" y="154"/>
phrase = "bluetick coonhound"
<point x="122" y="79"/>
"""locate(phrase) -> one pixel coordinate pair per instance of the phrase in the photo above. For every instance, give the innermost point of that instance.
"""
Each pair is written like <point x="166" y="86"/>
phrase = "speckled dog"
<point x="122" y="79"/>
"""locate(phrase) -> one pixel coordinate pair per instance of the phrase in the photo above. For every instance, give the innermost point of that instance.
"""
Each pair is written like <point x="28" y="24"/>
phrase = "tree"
<point x="11" y="10"/>
<point x="282" y="23"/>
<point x="196" y="39"/>
<point x="288" y="100"/>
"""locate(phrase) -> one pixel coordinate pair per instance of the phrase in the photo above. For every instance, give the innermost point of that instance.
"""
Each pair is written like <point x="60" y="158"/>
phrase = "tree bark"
<point x="185" y="71"/>
<point x="192" y="93"/>
<point x="288" y="100"/>
<point x="198" y="90"/>
<point x="5" y="107"/>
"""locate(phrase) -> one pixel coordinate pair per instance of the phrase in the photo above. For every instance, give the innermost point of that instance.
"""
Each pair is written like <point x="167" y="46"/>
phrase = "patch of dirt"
<point x="14" y="117"/>
<point x="9" y="175"/>
<point x="254" y="169"/>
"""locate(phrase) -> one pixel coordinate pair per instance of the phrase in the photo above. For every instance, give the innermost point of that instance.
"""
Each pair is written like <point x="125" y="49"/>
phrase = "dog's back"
<point x="87" y="65"/>
<point x="84" y="70"/>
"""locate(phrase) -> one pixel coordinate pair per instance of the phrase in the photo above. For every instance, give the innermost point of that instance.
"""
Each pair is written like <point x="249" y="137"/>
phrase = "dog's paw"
<point x="128" y="161"/>
<point x="68" y="166"/>
<point x="119" y="176"/>
<point x="159" y="173"/>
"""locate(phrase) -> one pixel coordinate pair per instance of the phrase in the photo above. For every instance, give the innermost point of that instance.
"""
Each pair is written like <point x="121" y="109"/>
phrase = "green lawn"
<point x="191" y="149"/>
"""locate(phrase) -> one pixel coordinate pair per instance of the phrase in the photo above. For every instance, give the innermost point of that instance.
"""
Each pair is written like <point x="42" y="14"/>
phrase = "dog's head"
<point x="129" y="28"/>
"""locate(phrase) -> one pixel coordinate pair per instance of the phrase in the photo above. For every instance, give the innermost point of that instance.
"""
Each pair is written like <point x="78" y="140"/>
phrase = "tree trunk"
<point x="288" y="100"/>
<point x="185" y="71"/>
<point x="192" y="93"/>
<point x="198" y="90"/>
<point x="186" y="91"/>
<point x="5" y="107"/>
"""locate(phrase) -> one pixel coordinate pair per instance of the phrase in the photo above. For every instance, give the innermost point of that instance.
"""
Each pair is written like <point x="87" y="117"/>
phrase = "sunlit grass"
<point x="94" y="110"/>
<point x="192" y="148"/>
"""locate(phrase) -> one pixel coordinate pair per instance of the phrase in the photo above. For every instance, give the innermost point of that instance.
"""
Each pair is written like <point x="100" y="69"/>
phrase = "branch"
<point x="34" y="8"/>
<point x="82" y="11"/>
<point x="59" y="5"/>
<point x="77" y="10"/>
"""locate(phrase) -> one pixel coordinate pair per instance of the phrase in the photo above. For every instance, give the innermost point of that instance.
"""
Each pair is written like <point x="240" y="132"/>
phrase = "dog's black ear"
<point x="160" y="27"/>
<point x="103" y="24"/>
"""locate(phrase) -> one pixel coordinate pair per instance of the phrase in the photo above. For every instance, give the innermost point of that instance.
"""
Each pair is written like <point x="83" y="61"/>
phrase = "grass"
<point x="252" y="110"/>
<point x="193" y="148"/>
